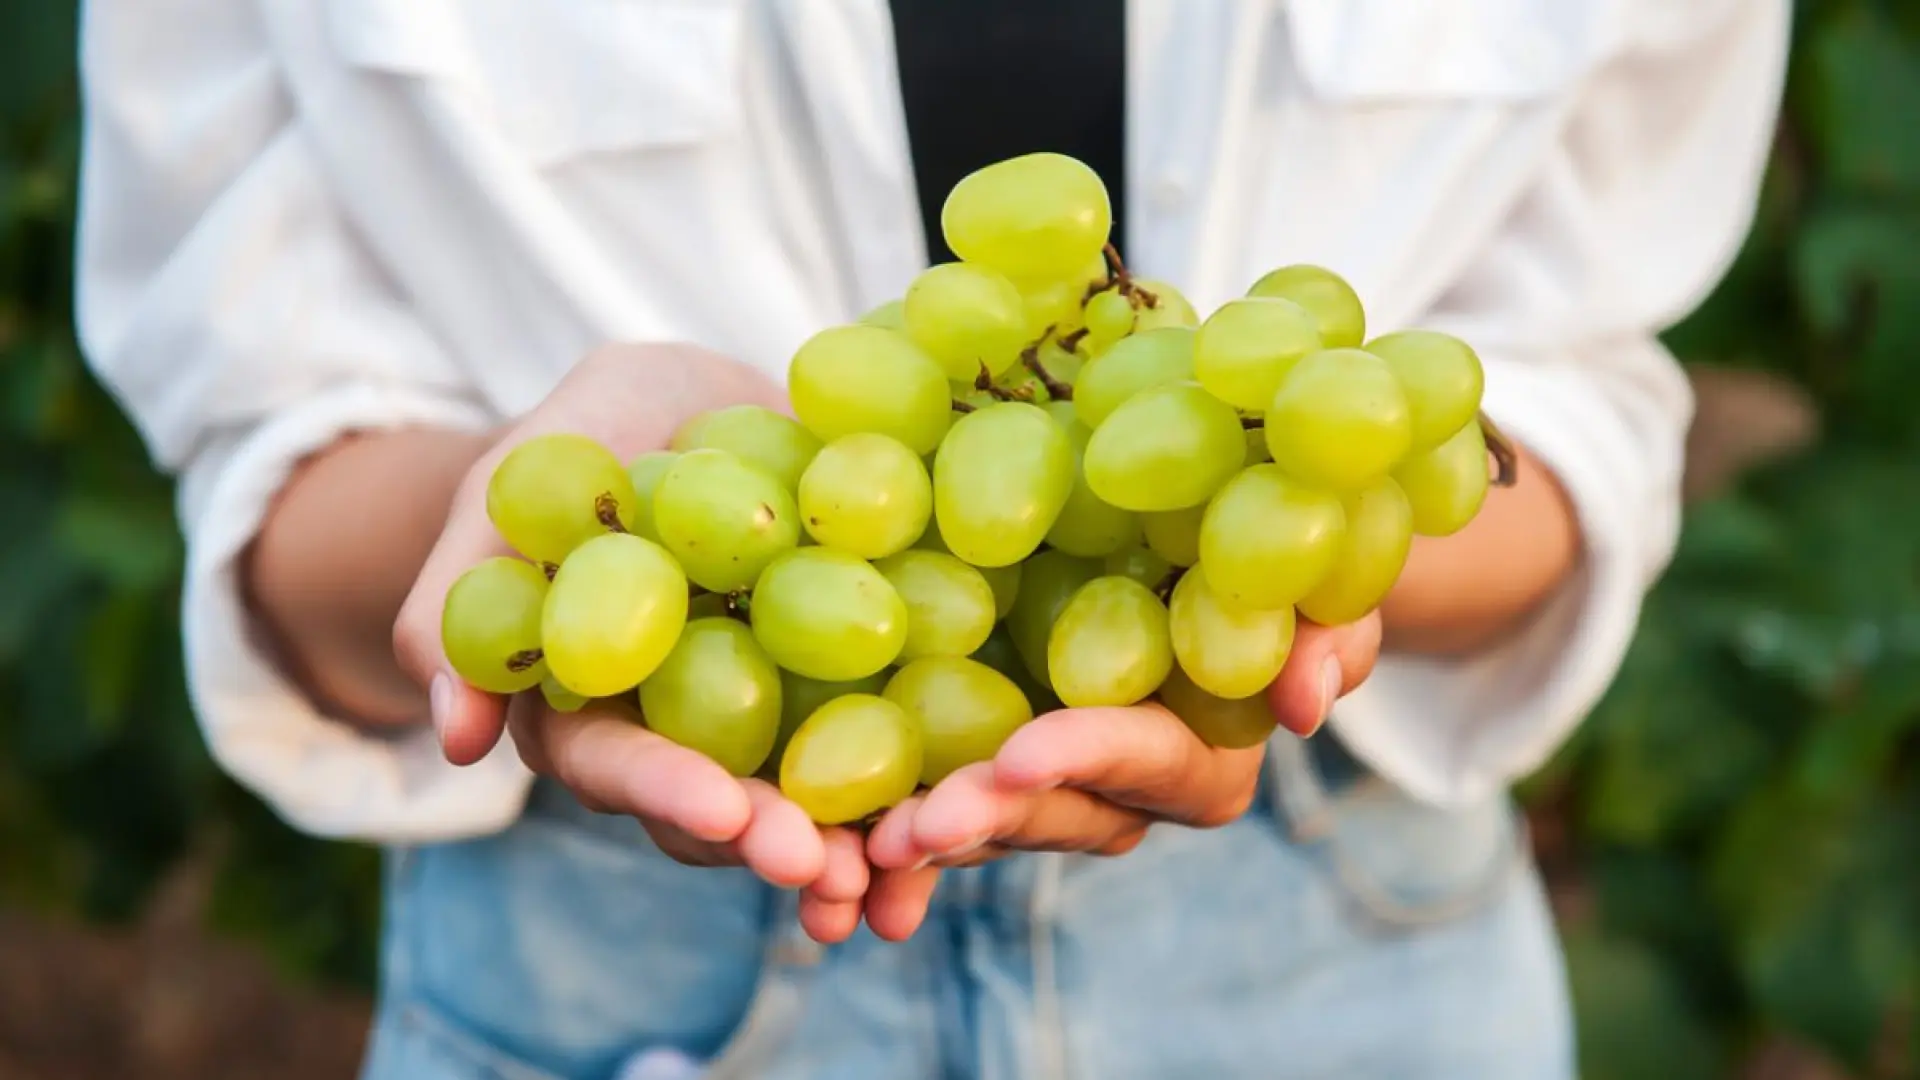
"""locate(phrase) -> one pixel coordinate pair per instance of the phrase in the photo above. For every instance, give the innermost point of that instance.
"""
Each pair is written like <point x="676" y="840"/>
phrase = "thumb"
<point x="1327" y="662"/>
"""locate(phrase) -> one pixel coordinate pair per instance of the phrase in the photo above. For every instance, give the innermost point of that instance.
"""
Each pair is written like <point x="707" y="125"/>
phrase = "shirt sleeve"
<point x="226" y="302"/>
<point x="1636" y="214"/>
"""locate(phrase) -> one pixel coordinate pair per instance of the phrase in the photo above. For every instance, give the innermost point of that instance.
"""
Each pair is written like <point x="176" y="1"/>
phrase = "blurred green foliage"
<point x="1744" y="808"/>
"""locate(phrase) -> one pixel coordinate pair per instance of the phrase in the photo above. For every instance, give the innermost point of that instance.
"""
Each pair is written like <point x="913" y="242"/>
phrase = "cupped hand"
<point x="631" y="399"/>
<point x="1094" y="780"/>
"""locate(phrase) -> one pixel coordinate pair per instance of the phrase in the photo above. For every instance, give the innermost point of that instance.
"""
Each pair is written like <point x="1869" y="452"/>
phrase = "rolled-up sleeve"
<point x="225" y="300"/>
<point x="1635" y="217"/>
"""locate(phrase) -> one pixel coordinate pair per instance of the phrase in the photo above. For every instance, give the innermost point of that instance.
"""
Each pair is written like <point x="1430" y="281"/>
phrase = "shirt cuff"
<point x="319" y="774"/>
<point x="1454" y="732"/>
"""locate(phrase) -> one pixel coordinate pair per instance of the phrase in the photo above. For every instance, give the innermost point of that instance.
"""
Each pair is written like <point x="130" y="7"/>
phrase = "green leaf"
<point x="133" y="543"/>
<point x="1865" y="86"/>
<point x="1636" y="1017"/>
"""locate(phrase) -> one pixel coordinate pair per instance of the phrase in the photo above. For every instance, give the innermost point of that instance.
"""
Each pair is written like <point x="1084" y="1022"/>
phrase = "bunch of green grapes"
<point x="1034" y="480"/>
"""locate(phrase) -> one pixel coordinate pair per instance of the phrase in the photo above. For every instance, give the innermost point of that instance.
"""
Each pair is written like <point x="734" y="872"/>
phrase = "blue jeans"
<point x="1337" y="930"/>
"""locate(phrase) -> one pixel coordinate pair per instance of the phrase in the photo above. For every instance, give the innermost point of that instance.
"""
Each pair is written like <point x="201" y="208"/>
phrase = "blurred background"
<point x="1733" y="840"/>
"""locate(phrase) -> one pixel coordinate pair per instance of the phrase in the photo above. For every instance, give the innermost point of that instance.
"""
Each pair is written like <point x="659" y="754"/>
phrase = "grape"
<point x="950" y="606"/>
<point x="490" y="626"/>
<point x="1003" y="474"/>
<point x="717" y="693"/>
<point x="1340" y="420"/>
<point x="1109" y="317"/>
<point x="827" y="615"/>
<point x="559" y="698"/>
<point x="1003" y="656"/>
<point x="1447" y="485"/>
<point x="1087" y="526"/>
<point x="614" y="610"/>
<point x="1003" y="580"/>
<point x="1229" y="652"/>
<point x="967" y="317"/>
<point x="1110" y="645"/>
<point x="854" y="757"/>
<point x="1174" y="535"/>
<point x="1140" y="564"/>
<point x="1244" y="349"/>
<point x="1442" y="379"/>
<point x="1235" y="724"/>
<point x="1257" y="451"/>
<point x="850" y="379"/>
<point x="553" y="493"/>
<point x="645" y="471"/>
<point x="867" y="495"/>
<point x="1034" y="216"/>
<point x="1170" y="307"/>
<point x="1343" y="322"/>
<point x="1047" y="582"/>
<point x="1054" y="303"/>
<point x="723" y="519"/>
<point x="891" y="315"/>
<point x="965" y="710"/>
<point x="800" y="697"/>
<point x="1140" y="362"/>
<point x="1267" y="540"/>
<point x="1166" y="449"/>
<point x="770" y="442"/>
<point x="1373" y="551"/>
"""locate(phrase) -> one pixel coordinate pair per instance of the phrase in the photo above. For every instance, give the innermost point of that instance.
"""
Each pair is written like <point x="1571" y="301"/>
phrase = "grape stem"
<point x="1252" y="423"/>
<point x="984" y="381"/>
<point x="607" y="509"/>
<point x="1164" y="589"/>
<point x="1030" y="358"/>
<point x="524" y="659"/>
<point x="1072" y="341"/>
<point x="961" y="406"/>
<point x="1118" y="277"/>
<point x="739" y="604"/>
<point x="1506" y="459"/>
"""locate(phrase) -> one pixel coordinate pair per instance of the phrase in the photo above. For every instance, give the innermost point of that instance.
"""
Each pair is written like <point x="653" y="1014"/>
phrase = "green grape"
<point x="850" y="379"/>
<point x="1257" y="451"/>
<point x="1267" y="540"/>
<point x="1087" y="526"/>
<point x="1111" y="645"/>
<point x="553" y="493"/>
<point x="1230" y="652"/>
<point x="1139" y="362"/>
<point x="776" y="445"/>
<point x="1003" y="474"/>
<point x="1003" y="656"/>
<point x="1373" y="551"/>
<point x="1034" y="216"/>
<point x="645" y="471"/>
<point x="717" y="693"/>
<point x="827" y="615"/>
<point x="1337" y="308"/>
<point x="1140" y="564"/>
<point x="1003" y="580"/>
<point x="854" y="757"/>
<point x="723" y="519"/>
<point x="967" y="317"/>
<point x="965" y="710"/>
<point x="490" y="626"/>
<point x="1061" y="363"/>
<point x="950" y="605"/>
<point x="1174" y="535"/>
<point x="1442" y="379"/>
<point x="1229" y="724"/>
<point x="1054" y="303"/>
<point x="891" y="315"/>
<point x="1244" y="349"/>
<point x="801" y="697"/>
<point x="1109" y="317"/>
<point x="614" y="610"/>
<point x="1047" y="582"/>
<point x="1447" y="485"/>
<point x="1165" y="449"/>
<point x="867" y="495"/>
<point x="1339" y="421"/>
<point x="559" y="698"/>
<point x="1170" y="307"/>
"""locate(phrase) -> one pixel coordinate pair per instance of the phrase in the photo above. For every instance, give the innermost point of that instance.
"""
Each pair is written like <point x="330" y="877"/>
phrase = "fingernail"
<point x="1331" y="680"/>
<point x="440" y="703"/>
<point x="921" y="864"/>
<point x="966" y="847"/>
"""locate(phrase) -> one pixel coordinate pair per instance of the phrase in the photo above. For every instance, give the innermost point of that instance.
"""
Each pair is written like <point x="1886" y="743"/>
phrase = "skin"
<point x="364" y="539"/>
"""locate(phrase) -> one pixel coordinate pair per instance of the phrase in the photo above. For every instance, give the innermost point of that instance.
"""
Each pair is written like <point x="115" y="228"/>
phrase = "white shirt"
<point x="301" y="217"/>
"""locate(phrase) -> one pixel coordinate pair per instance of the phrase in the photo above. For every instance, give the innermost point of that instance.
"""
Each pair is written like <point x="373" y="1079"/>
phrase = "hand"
<point x="1094" y="780"/>
<point x="630" y="398"/>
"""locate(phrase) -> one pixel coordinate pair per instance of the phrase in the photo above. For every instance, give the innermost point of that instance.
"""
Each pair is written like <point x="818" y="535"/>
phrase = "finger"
<point x="828" y="922"/>
<point x="890" y="845"/>
<point x="1141" y="756"/>
<point x="845" y="876"/>
<point x="1326" y="663"/>
<point x="781" y="844"/>
<point x="967" y="811"/>
<point x="897" y="903"/>
<point x="609" y="760"/>
<point x="468" y="721"/>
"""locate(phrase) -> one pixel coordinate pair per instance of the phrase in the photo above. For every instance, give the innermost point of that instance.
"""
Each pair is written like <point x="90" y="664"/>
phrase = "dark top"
<point x="985" y="80"/>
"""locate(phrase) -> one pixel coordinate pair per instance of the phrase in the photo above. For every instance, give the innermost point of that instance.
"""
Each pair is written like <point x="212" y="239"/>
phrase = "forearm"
<point x="1463" y="592"/>
<point x="336" y="556"/>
